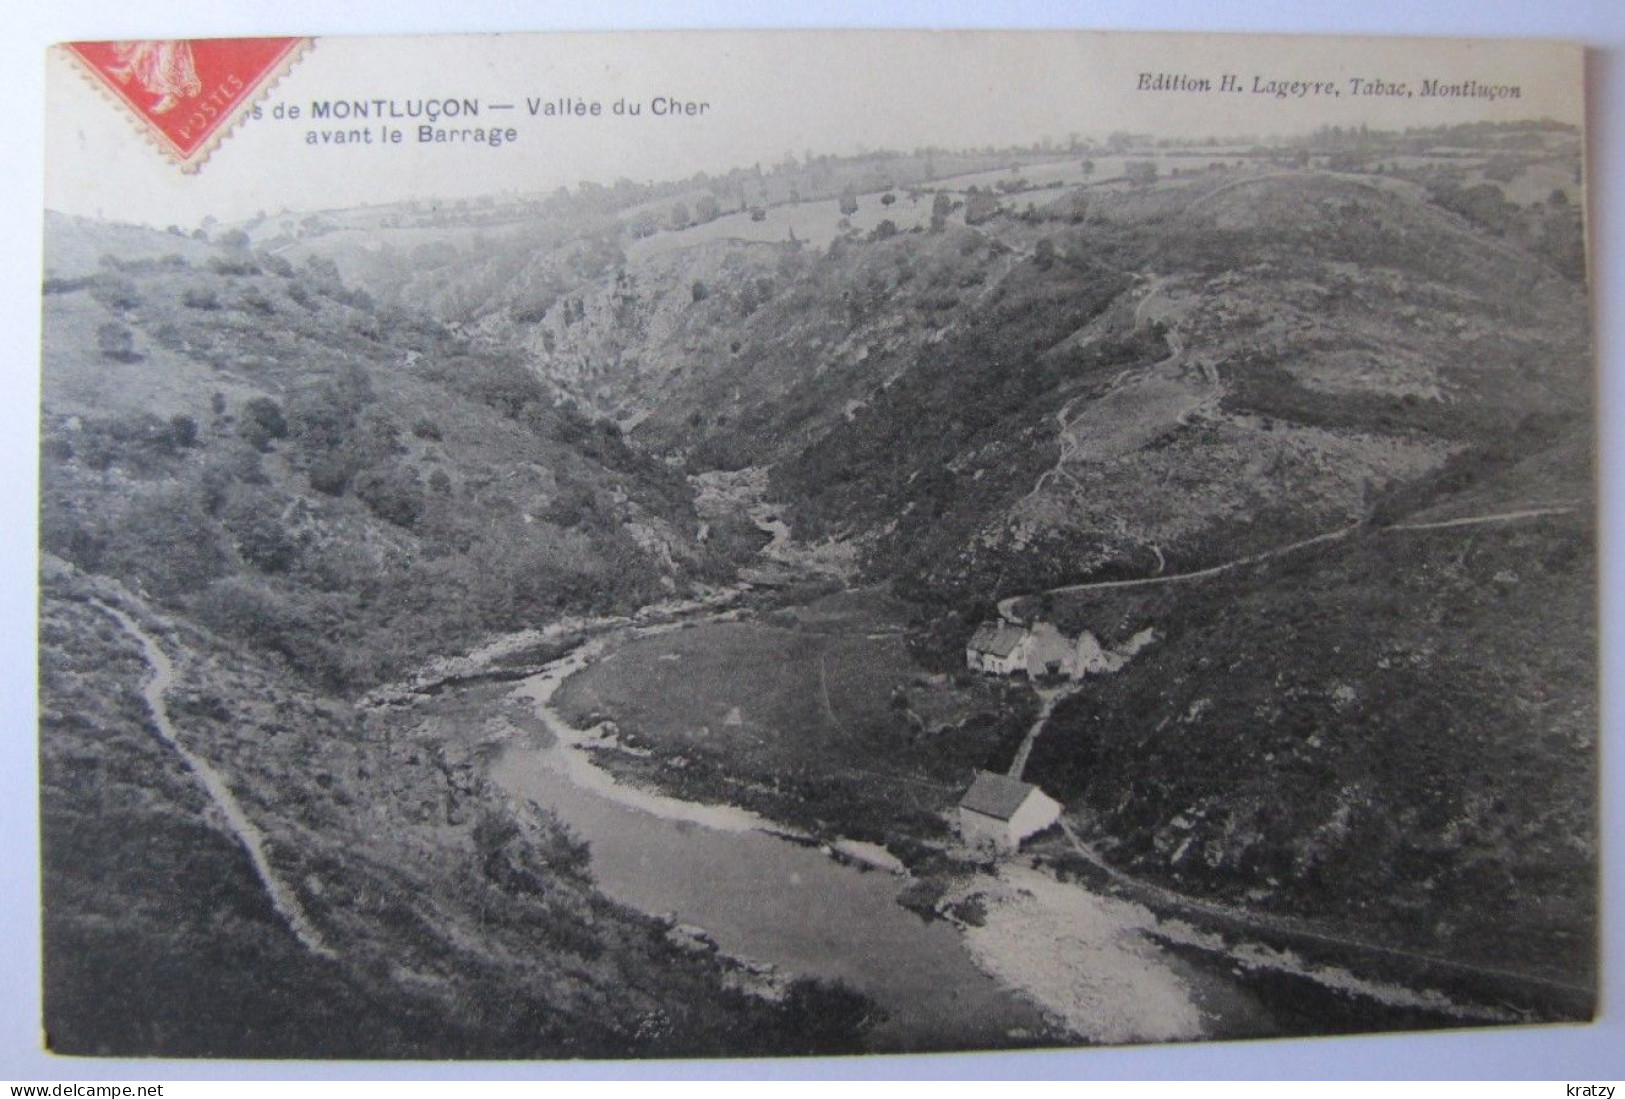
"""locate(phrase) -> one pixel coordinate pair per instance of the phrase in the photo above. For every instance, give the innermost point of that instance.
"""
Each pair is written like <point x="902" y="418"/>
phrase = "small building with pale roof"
<point x="1001" y="811"/>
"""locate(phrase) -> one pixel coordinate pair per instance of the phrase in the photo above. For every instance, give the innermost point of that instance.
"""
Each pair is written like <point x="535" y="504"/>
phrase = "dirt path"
<point x="1007" y="605"/>
<point x="1244" y="919"/>
<point x="1097" y="431"/>
<point x="1048" y="700"/>
<point x="214" y="785"/>
<point x="1481" y="520"/>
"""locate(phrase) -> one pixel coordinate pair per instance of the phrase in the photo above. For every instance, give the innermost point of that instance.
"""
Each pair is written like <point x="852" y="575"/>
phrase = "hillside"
<point x="981" y="409"/>
<point x="346" y="485"/>
<point x="1275" y="369"/>
<point x="1302" y="435"/>
<point x="1391" y="733"/>
<point x="457" y="922"/>
<point x="263" y="493"/>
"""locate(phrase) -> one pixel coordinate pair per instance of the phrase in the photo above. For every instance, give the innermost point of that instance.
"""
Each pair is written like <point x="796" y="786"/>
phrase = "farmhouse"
<point x="996" y="647"/>
<point x="1040" y="650"/>
<point x="1001" y="811"/>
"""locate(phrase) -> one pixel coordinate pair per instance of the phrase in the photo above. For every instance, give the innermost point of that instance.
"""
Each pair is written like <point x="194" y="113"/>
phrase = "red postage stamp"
<point x="186" y="94"/>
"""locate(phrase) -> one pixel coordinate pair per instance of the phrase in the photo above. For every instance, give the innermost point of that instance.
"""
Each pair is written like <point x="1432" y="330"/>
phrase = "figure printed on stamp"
<point x="165" y="69"/>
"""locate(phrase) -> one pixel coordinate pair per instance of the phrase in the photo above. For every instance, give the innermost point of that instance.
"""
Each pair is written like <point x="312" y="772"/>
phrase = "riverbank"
<point x="1080" y="963"/>
<point x="773" y="901"/>
<point x="1093" y="967"/>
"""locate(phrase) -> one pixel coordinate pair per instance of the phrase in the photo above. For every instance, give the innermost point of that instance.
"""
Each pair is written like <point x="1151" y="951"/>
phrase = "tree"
<point x="980" y="207"/>
<point x="679" y="216"/>
<point x="1044" y="254"/>
<point x="941" y="206"/>
<point x="849" y="202"/>
<point x="1088" y="168"/>
<point x="706" y="208"/>
<point x="887" y="199"/>
<point x="698" y="291"/>
<point x="643" y="225"/>
<point x="1141" y="173"/>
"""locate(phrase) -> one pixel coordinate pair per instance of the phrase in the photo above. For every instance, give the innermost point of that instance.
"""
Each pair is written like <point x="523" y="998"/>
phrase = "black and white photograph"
<point x="781" y="544"/>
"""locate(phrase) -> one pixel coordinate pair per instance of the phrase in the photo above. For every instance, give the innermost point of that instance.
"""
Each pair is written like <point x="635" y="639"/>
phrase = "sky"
<point x="767" y="95"/>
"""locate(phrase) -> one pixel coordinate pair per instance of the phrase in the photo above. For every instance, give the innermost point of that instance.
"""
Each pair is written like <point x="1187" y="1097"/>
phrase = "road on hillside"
<point x="1007" y="605"/>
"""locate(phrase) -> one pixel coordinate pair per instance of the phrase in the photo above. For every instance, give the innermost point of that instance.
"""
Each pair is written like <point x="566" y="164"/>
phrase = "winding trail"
<point x="1075" y="436"/>
<point x="1007" y="604"/>
<point x="214" y="785"/>
<point x="1480" y="520"/>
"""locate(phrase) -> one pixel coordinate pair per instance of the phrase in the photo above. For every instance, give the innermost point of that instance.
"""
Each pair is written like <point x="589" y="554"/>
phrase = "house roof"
<point x="997" y="796"/>
<point x="996" y="638"/>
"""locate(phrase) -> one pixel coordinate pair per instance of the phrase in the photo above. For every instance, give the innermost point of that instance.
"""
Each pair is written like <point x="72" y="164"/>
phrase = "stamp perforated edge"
<point x="193" y="163"/>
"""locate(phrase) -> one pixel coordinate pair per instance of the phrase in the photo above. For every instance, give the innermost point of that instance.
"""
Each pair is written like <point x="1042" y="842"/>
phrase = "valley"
<point x="542" y="629"/>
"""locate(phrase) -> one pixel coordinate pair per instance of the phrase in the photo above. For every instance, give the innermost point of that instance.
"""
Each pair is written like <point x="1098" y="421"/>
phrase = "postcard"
<point x="712" y="544"/>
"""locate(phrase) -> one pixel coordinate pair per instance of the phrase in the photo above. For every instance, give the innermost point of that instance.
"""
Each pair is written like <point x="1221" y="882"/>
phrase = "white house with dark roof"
<point x="996" y="647"/>
<point x="1001" y="811"/>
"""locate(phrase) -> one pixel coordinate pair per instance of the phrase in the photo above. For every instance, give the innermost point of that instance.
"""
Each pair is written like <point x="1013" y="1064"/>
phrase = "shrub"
<point x="226" y="265"/>
<point x="183" y="430"/>
<point x="822" y="1017"/>
<point x="55" y="285"/>
<point x="330" y="473"/>
<point x="117" y="342"/>
<point x="392" y="493"/>
<point x="259" y="535"/>
<point x="262" y="422"/>
<point x="116" y="292"/>
<point x="256" y="302"/>
<point x="1141" y="173"/>
<point x="980" y="208"/>
<point x="167" y="542"/>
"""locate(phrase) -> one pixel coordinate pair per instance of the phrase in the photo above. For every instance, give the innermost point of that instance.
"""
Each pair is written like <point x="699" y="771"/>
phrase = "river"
<point x="1048" y="963"/>
<point x="764" y="896"/>
<point x="1051" y="964"/>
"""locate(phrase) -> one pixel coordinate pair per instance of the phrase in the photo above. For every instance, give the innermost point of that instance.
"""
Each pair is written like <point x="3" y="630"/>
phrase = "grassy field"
<point x="804" y="715"/>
